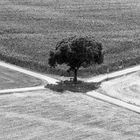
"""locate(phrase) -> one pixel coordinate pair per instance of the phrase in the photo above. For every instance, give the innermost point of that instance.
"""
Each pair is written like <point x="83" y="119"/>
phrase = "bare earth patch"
<point x="125" y="88"/>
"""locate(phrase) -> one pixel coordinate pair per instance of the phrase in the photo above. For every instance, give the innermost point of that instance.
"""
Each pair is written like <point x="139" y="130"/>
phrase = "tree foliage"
<point x="76" y="52"/>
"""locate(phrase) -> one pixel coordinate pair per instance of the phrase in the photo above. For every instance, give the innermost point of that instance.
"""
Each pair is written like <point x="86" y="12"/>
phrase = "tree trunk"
<point x="75" y="76"/>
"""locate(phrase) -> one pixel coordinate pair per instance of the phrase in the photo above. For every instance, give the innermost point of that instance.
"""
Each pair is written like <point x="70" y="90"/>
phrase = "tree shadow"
<point x="80" y="86"/>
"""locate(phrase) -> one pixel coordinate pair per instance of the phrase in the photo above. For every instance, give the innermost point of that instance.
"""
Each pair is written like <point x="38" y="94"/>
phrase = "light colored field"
<point x="10" y="79"/>
<point x="125" y="88"/>
<point x="46" y="115"/>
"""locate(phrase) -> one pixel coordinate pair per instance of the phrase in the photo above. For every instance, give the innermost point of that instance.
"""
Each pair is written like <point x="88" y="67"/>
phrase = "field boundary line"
<point x="107" y="76"/>
<point x="8" y="91"/>
<point x="29" y="72"/>
<point x="114" y="101"/>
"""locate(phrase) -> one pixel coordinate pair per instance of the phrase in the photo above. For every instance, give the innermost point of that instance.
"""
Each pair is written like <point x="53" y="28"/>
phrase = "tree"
<point x="76" y="52"/>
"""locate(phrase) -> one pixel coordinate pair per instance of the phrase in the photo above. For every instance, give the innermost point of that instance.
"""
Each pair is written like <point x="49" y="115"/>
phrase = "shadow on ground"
<point x="80" y="86"/>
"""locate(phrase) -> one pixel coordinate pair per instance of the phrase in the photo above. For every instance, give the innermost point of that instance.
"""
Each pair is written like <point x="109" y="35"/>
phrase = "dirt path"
<point x="28" y="72"/>
<point x="93" y="94"/>
<point x="25" y="73"/>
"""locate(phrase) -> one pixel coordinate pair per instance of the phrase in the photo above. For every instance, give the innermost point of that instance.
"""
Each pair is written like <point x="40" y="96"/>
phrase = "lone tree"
<point x="76" y="52"/>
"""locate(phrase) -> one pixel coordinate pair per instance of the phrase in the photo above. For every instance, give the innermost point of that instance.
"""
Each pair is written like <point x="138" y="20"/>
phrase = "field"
<point x="10" y="79"/>
<point x="49" y="115"/>
<point x="30" y="28"/>
<point x="46" y="115"/>
<point x="125" y="88"/>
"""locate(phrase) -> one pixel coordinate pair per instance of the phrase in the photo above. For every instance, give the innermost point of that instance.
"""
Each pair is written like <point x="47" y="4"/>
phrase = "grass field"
<point x="30" y="28"/>
<point x="46" y="115"/>
<point x="10" y="79"/>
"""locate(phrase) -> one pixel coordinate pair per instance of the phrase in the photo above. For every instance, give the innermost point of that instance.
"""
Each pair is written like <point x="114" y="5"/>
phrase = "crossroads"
<point x="44" y="114"/>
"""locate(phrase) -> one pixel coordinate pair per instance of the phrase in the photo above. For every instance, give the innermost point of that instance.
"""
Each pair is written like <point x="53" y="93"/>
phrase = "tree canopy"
<point x="76" y="52"/>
